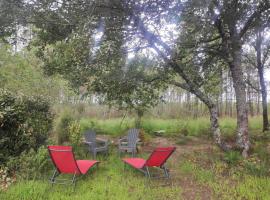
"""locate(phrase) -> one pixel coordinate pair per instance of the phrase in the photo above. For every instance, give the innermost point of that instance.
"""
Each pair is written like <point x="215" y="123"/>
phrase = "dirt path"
<point x="190" y="189"/>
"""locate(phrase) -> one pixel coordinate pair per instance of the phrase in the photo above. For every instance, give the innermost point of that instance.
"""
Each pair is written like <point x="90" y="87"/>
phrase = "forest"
<point x="188" y="76"/>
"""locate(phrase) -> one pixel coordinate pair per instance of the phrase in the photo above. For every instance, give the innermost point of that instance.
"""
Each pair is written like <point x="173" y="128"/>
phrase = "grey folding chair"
<point x="95" y="145"/>
<point x="129" y="142"/>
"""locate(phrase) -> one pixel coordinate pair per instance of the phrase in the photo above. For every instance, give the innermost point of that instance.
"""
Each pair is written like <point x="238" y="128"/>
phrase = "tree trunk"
<point x="249" y="90"/>
<point x="196" y="108"/>
<point x="260" y="68"/>
<point x="258" y="103"/>
<point x="213" y="110"/>
<point x="264" y="101"/>
<point x="138" y="122"/>
<point x="214" y="124"/>
<point x="241" y="103"/>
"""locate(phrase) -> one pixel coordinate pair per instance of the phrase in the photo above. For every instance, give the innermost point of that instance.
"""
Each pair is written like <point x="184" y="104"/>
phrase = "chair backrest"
<point x="90" y="136"/>
<point x="159" y="156"/>
<point x="63" y="159"/>
<point x="132" y="137"/>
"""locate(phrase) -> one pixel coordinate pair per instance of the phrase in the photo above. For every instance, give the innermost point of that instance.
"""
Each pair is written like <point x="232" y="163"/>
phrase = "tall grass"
<point x="169" y="127"/>
<point x="114" y="127"/>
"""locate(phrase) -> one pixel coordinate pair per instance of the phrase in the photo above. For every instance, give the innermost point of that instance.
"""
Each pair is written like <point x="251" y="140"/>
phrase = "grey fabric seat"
<point x="129" y="142"/>
<point x="95" y="145"/>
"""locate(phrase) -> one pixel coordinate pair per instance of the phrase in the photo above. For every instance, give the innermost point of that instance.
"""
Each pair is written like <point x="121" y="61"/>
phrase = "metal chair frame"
<point x="57" y="172"/>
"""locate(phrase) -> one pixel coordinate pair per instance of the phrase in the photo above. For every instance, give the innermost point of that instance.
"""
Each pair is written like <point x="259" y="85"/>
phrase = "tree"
<point x="21" y="74"/>
<point x="259" y="59"/>
<point x="128" y="26"/>
<point x="220" y="28"/>
<point x="229" y="22"/>
<point x="262" y="58"/>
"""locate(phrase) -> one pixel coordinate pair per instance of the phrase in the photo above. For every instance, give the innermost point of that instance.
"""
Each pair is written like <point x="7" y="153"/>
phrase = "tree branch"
<point x="262" y="7"/>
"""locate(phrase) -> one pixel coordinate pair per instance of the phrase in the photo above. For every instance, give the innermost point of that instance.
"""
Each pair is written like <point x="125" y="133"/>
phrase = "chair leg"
<point x="94" y="154"/>
<point x="74" y="179"/>
<point x="119" y="152"/>
<point x="55" y="173"/>
<point x="133" y="152"/>
<point x="148" y="173"/>
<point x="166" y="172"/>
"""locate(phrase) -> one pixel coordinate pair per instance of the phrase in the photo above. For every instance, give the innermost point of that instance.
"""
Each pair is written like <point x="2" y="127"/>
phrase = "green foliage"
<point x="62" y="126"/>
<point x="31" y="164"/>
<point x="134" y="86"/>
<point x="114" y="127"/>
<point x="22" y="73"/>
<point x="25" y="123"/>
<point x="172" y="127"/>
<point x="232" y="157"/>
<point x="198" y="127"/>
<point x="74" y="130"/>
<point x="68" y="59"/>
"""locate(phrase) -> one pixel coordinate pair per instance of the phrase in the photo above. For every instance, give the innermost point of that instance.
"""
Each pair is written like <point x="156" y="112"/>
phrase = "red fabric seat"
<point x="85" y="165"/>
<point x="158" y="158"/>
<point x="65" y="163"/>
<point x="137" y="163"/>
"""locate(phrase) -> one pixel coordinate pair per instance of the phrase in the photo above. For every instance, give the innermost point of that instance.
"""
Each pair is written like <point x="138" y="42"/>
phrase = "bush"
<point x="62" y="126"/>
<point x="74" y="131"/>
<point x="25" y="123"/>
<point x="31" y="164"/>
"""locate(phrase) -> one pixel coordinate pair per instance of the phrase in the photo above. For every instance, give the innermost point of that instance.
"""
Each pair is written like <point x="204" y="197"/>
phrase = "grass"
<point x="114" y="127"/>
<point x="236" y="183"/>
<point x="109" y="181"/>
<point x="171" y="127"/>
<point x="225" y="175"/>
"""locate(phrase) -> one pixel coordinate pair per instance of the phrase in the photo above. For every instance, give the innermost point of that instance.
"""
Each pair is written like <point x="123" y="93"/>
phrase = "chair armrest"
<point x="123" y="139"/>
<point x="89" y="143"/>
<point x="105" y="141"/>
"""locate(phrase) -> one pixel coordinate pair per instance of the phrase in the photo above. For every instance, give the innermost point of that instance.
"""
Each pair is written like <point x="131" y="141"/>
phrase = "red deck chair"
<point x="65" y="163"/>
<point x="158" y="158"/>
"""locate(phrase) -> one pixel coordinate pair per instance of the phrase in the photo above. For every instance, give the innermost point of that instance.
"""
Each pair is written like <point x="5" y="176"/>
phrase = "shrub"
<point x="5" y="179"/>
<point x="74" y="131"/>
<point x="62" y="124"/>
<point x="31" y="164"/>
<point x="25" y="123"/>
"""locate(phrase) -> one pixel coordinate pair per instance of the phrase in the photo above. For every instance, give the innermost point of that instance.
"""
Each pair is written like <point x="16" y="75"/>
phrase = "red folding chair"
<point x="158" y="158"/>
<point x="64" y="161"/>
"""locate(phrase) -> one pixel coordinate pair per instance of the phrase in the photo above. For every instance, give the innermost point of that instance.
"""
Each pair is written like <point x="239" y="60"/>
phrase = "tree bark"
<point x="215" y="125"/>
<point x="138" y="122"/>
<point x="196" y="108"/>
<point x="260" y="68"/>
<point x="241" y="103"/>
<point x="249" y="90"/>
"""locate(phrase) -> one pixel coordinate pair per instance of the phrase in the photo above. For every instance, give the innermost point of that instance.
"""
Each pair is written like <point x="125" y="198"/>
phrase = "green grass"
<point x="227" y="175"/>
<point x="172" y="127"/>
<point x="109" y="181"/>
<point x="114" y="127"/>
<point x="237" y="185"/>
